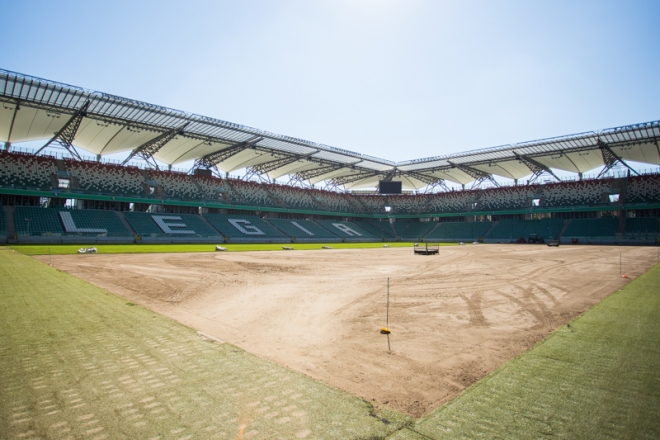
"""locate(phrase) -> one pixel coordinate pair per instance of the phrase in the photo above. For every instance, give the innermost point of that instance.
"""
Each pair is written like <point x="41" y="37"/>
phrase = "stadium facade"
<point x="71" y="198"/>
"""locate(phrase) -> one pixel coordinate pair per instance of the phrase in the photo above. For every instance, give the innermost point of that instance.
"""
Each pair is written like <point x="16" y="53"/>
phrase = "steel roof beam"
<point x="535" y="167"/>
<point x="65" y="136"/>
<point x="341" y="181"/>
<point x="267" y="167"/>
<point x="610" y="158"/>
<point x="478" y="175"/>
<point x="311" y="174"/>
<point x="17" y="107"/>
<point x="431" y="182"/>
<point x="210" y="160"/>
<point x="147" y="150"/>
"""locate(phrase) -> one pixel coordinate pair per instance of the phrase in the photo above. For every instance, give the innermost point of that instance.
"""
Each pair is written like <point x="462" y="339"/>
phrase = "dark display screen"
<point x="385" y="187"/>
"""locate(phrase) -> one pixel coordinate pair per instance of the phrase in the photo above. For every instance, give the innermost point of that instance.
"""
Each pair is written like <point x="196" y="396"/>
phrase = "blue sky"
<point x="397" y="79"/>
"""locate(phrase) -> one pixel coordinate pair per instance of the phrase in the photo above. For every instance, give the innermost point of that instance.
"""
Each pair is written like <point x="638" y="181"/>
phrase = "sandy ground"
<point x="454" y="317"/>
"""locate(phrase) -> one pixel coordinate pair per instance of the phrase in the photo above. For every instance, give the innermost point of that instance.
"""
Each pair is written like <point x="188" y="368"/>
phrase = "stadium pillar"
<point x="7" y="146"/>
<point x="98" y="158"/>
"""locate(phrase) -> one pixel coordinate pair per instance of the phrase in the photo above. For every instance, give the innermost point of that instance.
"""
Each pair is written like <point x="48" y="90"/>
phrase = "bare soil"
<point x="454" y="317"/>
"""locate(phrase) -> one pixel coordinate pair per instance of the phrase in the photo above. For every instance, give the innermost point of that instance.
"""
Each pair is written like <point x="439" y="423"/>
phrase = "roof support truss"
<point x="341" y="181"/>
<point x="311" y="174"/>
<point x="65" y="136"/>
<point x="17" y="107"/>
<point x="478" y="175"/>
<point x="147" y="150"/>
<point x="610" y="158"/>
<point x="431" y="182"/>
<point x="267" y="167"/>
<point x="535" y="167"/>
<point x="210" y="160"/>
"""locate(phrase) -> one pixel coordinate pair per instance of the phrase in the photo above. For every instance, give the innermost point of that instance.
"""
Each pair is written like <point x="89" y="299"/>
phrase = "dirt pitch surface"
<point x="454" y="317"/>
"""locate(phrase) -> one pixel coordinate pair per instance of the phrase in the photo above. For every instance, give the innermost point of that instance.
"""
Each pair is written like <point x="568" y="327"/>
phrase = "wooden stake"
<point x="387" y="319"/>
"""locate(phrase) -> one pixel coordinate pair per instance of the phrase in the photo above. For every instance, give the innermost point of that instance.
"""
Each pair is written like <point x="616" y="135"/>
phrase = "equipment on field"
<point x="326" y="247"/>
<point x="433" y="250"/>
<point x="220" y="249"/>
<point x="91" y="250"/>
<point x="553" y="243"/>
<point x="287" y="248"/>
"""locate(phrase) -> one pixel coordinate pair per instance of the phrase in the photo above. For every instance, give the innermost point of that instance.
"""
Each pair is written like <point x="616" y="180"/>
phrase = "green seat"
<point x="147" y="224"/>
<point x="413" y="230"/>
<point x="459" y="231"/>
<point x="288" y="227"/>
<point x="243" y="226"/>
<point x="347" y="230"/>
<point x="592" y="227"/>
<point x="379" y="229"/>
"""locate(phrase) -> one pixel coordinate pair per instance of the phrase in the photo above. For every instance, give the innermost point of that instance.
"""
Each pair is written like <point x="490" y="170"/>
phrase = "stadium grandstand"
<point x="304" y="230"/>
<point x="297" y="190"/>
<point x="246" y="228"/>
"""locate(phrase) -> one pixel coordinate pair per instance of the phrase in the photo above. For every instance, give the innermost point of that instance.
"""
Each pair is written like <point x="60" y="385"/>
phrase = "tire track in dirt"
<point x="474" y="309"/>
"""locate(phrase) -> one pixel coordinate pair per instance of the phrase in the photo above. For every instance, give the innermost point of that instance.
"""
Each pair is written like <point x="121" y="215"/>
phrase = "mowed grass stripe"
<point x="597" y="377"/>
<point x="79" y="362"/>
<point x="66" y="249"/>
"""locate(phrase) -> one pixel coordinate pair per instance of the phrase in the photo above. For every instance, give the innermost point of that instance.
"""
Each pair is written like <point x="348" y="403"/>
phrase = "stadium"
<point x="320" y="197"/>
<point x="484" y="330"/>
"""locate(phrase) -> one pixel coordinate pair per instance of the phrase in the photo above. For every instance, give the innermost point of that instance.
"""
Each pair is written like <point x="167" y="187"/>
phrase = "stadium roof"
<point x="36" y="109"/>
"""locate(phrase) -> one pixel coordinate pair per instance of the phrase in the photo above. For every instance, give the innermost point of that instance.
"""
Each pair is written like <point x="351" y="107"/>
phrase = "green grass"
<point x="62" y="249"/>
<point x="79" y="362"/>
<point x="597" y="377"/>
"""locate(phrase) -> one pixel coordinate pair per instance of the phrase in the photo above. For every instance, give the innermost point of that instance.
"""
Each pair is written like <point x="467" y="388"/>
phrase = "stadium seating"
<point x="300" y="232"/>
<point x="580" y="193"/>
<point x="643" y="189"/>
<point x="604" y="227"/>
<point x="458" y="231"/>
<point x="34" y="221"/>
<point x="372" y="203"/>
<point x="293" y="197"/>
<point x="330" y="201"/>
<point x="507" y="197"/>
<point x="547" y="228"/>
<point x="37" y="221"/>
<point x="249" y="193"/>
<point x="452" y="201"/>
<point x="413" y="230"/>
<point x="177" y="185"/>
<point x="214" y="188"/>
<point x="507" y="230"/>
<point x="408" y="203"/>
<point x="245" y="227"/>
<point x="25" y="171"/>
<point x="86" y="220"/>
<point x="379" y="229"/>
<point x="347" y="230"/>
<point x="400" y="228"/>
<point x="148" y="224"/>
<point x="641" y="227"/>
<point x="106" y="179"/>
<point x="3" y="223"/>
